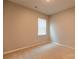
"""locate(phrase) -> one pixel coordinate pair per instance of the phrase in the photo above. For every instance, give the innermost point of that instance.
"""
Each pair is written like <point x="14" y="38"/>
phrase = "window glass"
<point x="41" y="26"/>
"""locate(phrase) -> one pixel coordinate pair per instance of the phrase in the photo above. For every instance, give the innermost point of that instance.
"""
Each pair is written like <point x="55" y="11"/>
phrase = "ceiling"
<point x="47" y="7"/>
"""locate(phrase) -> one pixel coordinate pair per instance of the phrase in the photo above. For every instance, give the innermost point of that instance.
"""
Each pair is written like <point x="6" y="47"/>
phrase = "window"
<point x="41" y="26"/>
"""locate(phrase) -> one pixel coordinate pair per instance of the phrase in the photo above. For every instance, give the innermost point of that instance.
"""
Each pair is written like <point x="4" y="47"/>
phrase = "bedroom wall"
<point x="62" y="27"/>
<point x="20" y="27"/>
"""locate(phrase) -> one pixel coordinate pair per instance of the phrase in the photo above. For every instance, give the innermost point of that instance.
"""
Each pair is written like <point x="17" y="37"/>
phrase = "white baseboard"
<point x="59" y="44"/>
<point x="32" y="45"/>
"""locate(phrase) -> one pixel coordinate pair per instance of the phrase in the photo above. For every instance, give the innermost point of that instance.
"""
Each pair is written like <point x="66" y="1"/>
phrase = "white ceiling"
<point x="47" y="8"/>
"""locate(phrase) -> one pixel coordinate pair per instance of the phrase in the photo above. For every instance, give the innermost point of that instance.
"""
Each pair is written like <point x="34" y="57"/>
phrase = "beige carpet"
<point x="47" y="51"/>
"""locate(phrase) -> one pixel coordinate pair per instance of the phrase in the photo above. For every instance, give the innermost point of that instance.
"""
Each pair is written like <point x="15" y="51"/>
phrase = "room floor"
<point x="47" y="51"/>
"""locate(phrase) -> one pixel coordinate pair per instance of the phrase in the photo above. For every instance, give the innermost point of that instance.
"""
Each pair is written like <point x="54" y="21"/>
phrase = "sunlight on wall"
<point x="53" y="34"/>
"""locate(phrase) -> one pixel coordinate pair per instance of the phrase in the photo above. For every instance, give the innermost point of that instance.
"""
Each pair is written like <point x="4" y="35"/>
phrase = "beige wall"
<point x="20" y="27"/>
<point x="62" y="27"/>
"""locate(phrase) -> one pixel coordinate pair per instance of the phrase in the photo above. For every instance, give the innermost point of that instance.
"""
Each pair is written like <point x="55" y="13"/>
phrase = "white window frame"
<point x="42" y="32"/>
